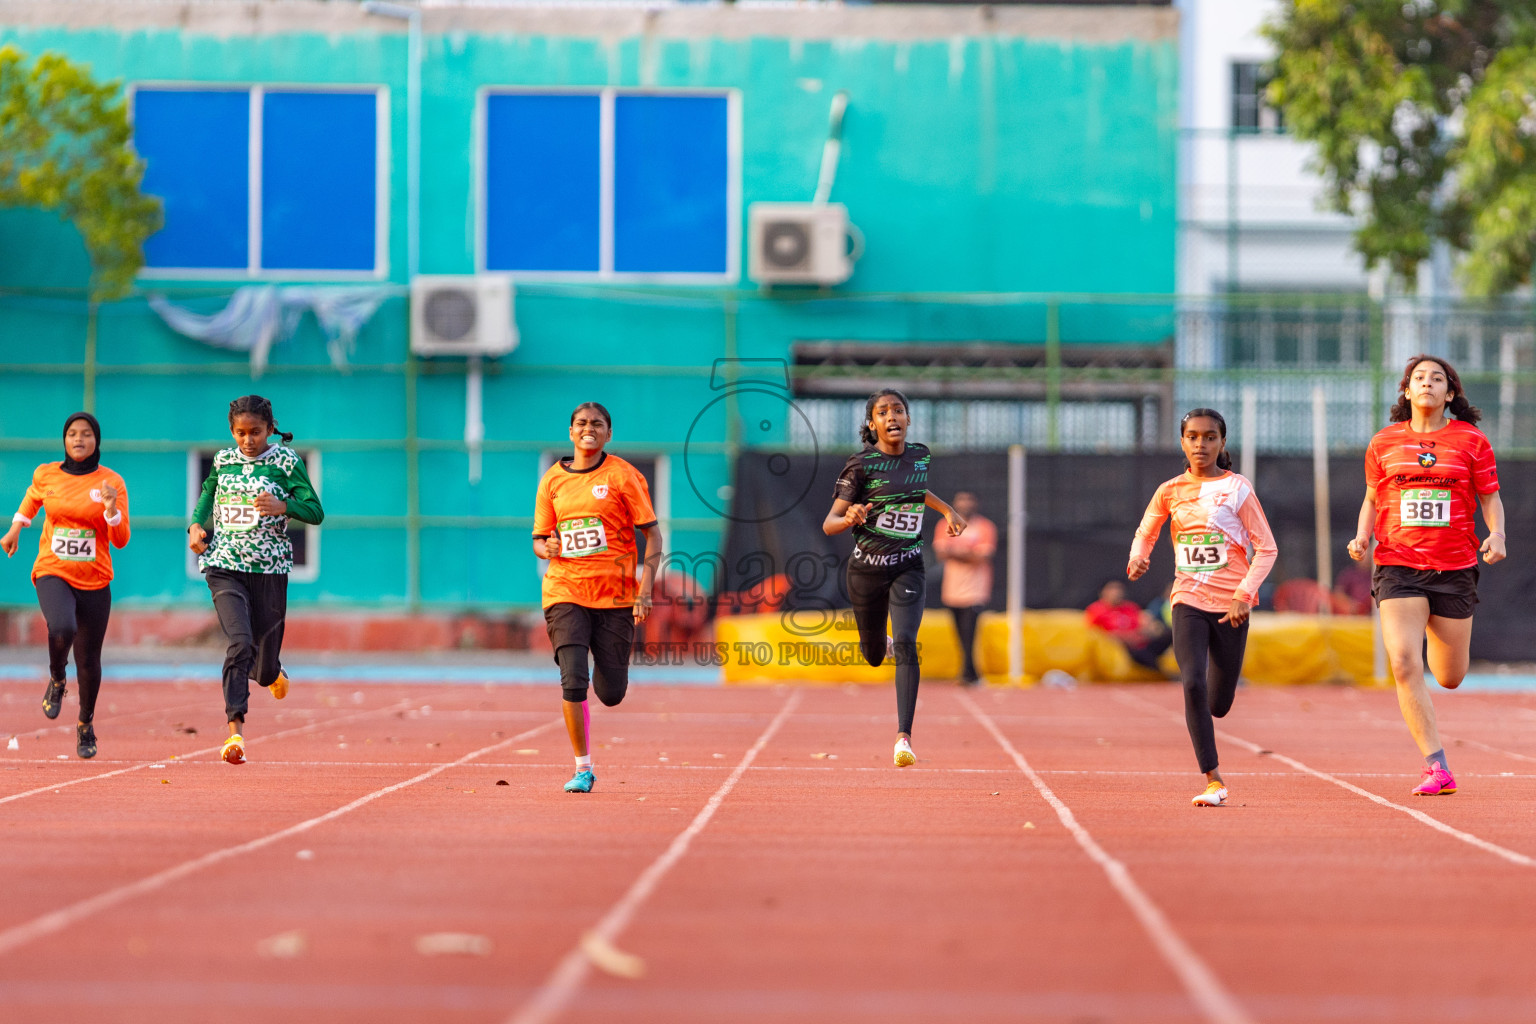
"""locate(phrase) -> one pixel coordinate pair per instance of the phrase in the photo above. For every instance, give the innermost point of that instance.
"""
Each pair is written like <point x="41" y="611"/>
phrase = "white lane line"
<point x="569" y="975"/>
<point x="1200" y="982"/>
<point x="1505" y="853"/>
<point x="114" y="718"/>
<point x="928" y="771"/>
<point x="1491" y="749"/>
<point x="58" y="920"/>
<point x="205" y="750"/>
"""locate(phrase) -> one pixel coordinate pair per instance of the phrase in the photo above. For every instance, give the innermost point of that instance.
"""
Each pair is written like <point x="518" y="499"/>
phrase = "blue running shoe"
<point x="581" y="782"/>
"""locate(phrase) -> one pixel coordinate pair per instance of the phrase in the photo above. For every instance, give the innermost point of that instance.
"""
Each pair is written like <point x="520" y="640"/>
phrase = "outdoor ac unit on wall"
<point x="462" y="315"/>
<point x="799" y="243"/>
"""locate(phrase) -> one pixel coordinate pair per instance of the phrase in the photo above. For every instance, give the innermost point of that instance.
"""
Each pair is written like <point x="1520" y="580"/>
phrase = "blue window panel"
<point x="543" y="182"/>
<point x="670" y="177"/>
<point x="196" y="149"/>
<point x="319" y="180"/>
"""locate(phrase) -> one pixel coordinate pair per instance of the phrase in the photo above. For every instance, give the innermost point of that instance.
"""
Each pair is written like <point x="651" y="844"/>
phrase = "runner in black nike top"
<point x="880" y="495"/>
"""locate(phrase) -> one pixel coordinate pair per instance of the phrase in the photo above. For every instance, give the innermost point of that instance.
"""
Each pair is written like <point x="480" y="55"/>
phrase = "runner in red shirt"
<point x="1424" y="476"/>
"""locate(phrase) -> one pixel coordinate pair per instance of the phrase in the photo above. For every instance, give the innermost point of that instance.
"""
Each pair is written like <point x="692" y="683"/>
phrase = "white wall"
<point x="1285" y="240"/>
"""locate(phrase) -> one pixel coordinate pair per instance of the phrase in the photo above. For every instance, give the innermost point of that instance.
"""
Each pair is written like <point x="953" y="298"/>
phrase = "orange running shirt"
<point x="1426" y="488"/>
<point x="594" y="514"/>
<point x="77" y="541"/>
<point x="1214" y="521"/>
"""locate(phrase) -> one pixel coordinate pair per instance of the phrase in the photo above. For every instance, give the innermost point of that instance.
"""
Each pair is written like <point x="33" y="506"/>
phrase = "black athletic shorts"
<point x="1452" y="593"/>
<point x="605" y="631"/>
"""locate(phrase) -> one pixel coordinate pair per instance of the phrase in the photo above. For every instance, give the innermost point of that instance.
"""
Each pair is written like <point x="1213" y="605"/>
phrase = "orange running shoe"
<point x="234" y="749"/>
<point x="279" y="685"/>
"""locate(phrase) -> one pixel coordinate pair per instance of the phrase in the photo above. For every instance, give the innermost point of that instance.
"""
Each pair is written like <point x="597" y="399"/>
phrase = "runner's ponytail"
<point x="1458" y="406"/>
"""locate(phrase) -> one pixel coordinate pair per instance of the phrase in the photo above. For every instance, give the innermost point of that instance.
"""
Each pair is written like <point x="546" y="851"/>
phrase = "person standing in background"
<point x="967" y="586"/>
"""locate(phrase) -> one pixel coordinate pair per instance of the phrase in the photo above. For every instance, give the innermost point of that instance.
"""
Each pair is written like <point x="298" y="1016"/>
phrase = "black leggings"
<point x="78" y="619"/>
<point x="1199" y="640"/>
<point x="899" y="593"/>
<point x="252" y="608"/>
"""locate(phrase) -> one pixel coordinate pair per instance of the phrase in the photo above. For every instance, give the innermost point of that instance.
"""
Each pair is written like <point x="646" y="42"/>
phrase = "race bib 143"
<point x="1200" y="552"/>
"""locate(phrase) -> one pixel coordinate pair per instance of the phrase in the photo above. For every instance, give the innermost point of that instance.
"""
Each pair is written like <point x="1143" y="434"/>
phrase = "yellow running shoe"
<point x="234" y="749"/>
<point x="904" y="756"/>
<point x="279" y="685"/>
<point x="1214" y="796"/>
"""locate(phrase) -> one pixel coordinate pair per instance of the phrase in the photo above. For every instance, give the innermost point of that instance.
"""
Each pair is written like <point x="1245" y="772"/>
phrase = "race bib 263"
<point x="582" y="537"/>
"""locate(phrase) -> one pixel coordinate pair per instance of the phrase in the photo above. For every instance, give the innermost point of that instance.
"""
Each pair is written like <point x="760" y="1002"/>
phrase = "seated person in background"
<point x="1161" y="609"/>
<point x="1143" y="635"/>
<point x="1352" y="591"/>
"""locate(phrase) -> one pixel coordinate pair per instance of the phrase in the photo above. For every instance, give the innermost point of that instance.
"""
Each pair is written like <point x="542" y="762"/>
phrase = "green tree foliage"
<point x="64" y="146"/>
<point x="1424" y="117"/>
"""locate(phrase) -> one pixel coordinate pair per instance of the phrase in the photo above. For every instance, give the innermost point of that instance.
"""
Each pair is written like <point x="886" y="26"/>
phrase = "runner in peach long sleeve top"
<point x="1216" y="517"/>
<point x="1214" y="521"/>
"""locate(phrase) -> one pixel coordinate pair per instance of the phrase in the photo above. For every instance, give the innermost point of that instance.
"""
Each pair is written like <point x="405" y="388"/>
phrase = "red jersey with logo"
<point x="1214" y="521"/>
<point x="1426" y="488"/>
<point x="592" y="514"/>
<point x="77" y="541"/>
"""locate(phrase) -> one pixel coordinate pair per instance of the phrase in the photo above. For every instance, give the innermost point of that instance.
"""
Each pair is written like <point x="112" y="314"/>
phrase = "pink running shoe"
<point x="1436" y="781"/>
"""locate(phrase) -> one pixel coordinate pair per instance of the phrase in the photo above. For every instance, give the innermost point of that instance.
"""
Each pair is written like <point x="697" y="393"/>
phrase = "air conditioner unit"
<point x="462" y="315"/>
<point x="799" y="243"/>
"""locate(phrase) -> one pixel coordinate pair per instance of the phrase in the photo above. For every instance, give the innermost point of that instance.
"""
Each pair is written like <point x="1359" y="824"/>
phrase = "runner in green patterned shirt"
<point x="248" y="498"/>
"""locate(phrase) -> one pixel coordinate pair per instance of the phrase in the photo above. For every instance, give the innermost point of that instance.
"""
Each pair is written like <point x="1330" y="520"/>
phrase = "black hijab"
<point x="89" y="464"/>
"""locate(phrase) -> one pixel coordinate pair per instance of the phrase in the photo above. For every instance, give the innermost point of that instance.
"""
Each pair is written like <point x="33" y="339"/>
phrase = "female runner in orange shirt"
<point x="1216" y="515"/>
<point x="87" y="506"/>
<point x="1426" y="476"/>
<point x="587" y="510"/>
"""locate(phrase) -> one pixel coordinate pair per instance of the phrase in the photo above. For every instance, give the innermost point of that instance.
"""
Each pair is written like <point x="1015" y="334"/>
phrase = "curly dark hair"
<point x="255" y="405"/>
<point x="1224" y="460"/>
<point x="865" y="433"/>
<point x="1458" y="406"/>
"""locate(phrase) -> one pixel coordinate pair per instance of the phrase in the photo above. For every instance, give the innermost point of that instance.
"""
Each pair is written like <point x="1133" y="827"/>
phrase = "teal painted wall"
<point x="972" y="165"/>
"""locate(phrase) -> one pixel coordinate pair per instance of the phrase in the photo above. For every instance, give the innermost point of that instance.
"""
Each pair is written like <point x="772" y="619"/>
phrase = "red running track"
<point x="1040" y="863"/>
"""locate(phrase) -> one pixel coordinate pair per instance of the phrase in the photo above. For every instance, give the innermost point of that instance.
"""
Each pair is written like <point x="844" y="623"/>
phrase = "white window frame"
<point x="605" y="271"/>
<point x="312" y="457"/>
<point x="253" y="270"/>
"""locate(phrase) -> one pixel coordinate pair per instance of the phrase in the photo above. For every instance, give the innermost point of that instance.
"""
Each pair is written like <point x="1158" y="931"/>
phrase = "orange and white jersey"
<point x="1214" y="522"/>
<point x="78" y="538"/>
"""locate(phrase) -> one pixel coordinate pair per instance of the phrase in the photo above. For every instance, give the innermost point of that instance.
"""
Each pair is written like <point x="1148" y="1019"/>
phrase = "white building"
<point x="1269" y="277"/>
<point x="1251" y="216"/>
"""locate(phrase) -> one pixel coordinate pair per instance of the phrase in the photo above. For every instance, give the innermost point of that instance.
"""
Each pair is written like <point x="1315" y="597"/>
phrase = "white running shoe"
<point x="1214" y="796"/>
<point x="904" y="756"/>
